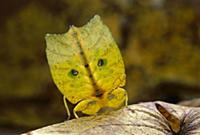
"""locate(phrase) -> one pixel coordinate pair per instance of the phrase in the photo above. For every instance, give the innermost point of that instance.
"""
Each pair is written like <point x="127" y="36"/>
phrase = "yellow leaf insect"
<point x="87" y="67"/>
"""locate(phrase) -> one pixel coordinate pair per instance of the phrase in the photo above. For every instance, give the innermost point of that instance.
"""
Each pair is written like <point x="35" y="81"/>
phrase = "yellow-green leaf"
<point x="87" y="67"/>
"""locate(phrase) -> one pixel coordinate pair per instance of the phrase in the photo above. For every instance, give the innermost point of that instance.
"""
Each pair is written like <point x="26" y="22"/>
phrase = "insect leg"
<point x="126" y="100"/>
<point x="116" y="98"/>
<point x="88" y="106"/>
<point x="67" y="108"/>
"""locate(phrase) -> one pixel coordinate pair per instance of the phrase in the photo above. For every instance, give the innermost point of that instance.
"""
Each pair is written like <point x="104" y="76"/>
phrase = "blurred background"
<point x="159" y="41"/>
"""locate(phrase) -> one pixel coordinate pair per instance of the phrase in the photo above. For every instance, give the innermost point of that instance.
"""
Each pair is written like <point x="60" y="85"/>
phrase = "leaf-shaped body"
<point x="86" y="63"/>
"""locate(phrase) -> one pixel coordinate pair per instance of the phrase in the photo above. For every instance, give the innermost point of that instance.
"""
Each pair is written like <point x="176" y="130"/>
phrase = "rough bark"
<point x="137" y="119"/>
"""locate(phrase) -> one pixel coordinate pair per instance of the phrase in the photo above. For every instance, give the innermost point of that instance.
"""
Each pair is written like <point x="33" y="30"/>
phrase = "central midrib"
<point x="97" y="91"/>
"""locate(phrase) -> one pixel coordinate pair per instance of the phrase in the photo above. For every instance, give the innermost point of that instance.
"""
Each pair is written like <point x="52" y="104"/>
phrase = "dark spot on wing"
<point x="86" y="65"/>
<point x="98" y="93"/>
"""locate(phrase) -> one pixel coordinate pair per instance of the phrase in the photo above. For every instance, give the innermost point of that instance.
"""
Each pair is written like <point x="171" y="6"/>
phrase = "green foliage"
<point x="163" y="48"/>
<point x="24" y="71"/>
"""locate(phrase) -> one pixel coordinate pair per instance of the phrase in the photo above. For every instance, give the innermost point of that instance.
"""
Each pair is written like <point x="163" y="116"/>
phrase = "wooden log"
<point x="137" y="119"/>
